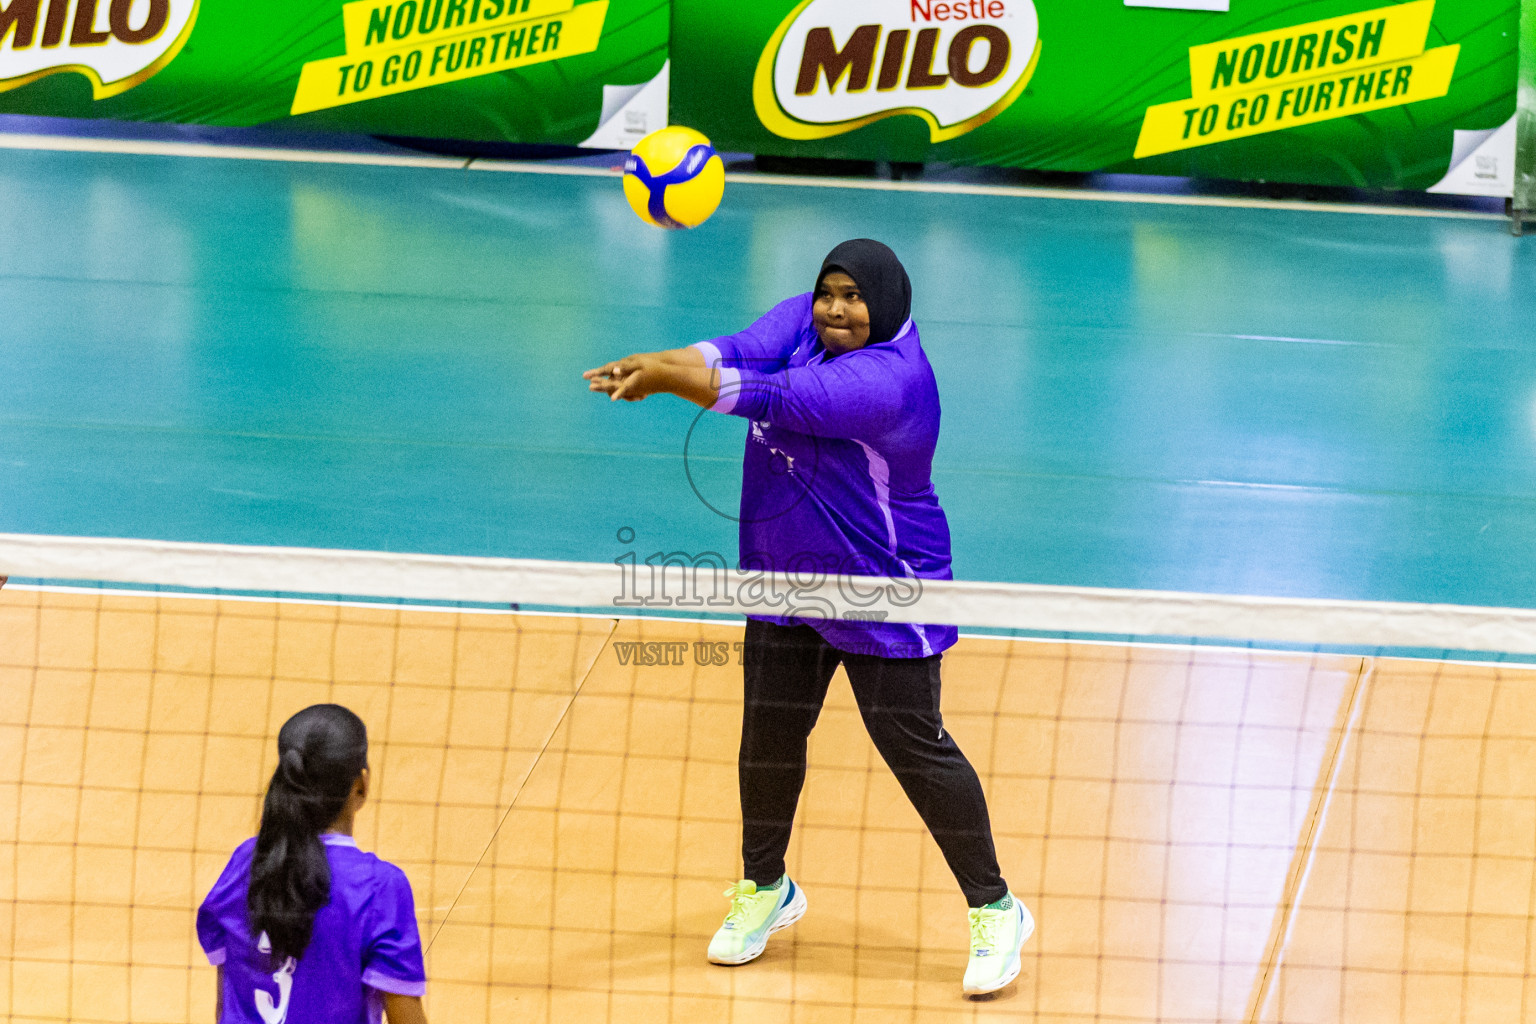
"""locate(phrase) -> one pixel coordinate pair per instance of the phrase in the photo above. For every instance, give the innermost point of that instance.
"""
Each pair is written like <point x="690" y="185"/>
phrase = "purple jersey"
<point x="838" y="469"/>
<point x="365" y="944"/>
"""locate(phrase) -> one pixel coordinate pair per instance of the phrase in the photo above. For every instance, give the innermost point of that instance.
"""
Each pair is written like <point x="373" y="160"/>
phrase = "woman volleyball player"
<point x="303" y="925"/>
<point x="844" y="413"/>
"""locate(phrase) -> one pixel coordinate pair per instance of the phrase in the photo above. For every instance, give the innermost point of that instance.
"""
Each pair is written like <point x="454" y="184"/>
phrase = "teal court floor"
<point x="1207" y="398"/>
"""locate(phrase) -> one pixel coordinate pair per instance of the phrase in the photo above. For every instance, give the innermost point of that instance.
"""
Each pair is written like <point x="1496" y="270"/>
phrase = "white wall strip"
<point x="1099" y="195"/>
<point x="150" y="147"/>
<point x="585" y="584"/>
<point x="157" y="147"/>
<point x="531" y="167"/>
<point x="958" y="188"/>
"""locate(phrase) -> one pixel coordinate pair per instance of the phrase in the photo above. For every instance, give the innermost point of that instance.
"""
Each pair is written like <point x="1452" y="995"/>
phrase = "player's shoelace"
<point x="741" y="896"/>
<point x="984" y="925"/>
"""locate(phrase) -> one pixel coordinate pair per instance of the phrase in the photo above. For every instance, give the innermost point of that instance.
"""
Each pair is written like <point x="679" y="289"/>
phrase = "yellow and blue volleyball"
<point x="674" y="178"/>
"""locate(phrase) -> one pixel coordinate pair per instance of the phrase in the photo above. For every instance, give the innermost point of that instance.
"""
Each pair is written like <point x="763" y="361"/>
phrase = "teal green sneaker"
<point x="997" y="936"/>
<point x="755" y="915"/>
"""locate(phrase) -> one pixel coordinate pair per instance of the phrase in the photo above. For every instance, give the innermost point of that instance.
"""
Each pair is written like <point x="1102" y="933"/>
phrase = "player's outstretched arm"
<point x="403" y="1009"/>
<point x="678" y="372"/>
<point x="689" y="356"/>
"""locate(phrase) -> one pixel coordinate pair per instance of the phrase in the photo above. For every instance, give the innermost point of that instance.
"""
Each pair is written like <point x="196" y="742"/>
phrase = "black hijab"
<point x="881" y="279"/>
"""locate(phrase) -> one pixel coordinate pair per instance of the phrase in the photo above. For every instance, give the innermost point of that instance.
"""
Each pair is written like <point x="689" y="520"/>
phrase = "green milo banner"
<point x="548" y="71"/>
<point x="1414" y="95"/>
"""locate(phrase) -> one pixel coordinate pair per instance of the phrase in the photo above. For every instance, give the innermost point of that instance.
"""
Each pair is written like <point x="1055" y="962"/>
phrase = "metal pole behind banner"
<point x="1523" y="207"/>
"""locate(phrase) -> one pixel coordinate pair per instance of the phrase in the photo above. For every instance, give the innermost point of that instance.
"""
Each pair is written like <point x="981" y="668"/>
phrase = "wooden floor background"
<point x="1202" y="834"/>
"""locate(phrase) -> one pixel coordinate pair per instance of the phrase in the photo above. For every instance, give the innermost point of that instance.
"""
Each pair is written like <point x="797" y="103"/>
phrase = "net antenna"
<point x="1523" y="204"/>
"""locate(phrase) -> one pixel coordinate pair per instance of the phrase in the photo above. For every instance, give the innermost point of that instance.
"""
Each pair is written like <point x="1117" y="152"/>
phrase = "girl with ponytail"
<point x="303" y="926"/>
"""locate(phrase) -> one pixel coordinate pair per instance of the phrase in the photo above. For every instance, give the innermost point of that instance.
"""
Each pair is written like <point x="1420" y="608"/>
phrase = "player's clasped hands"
<point x="631" y="378"/>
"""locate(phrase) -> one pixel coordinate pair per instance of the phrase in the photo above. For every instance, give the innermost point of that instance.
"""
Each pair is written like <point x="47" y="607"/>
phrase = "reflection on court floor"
<point x="1204" y="834"/>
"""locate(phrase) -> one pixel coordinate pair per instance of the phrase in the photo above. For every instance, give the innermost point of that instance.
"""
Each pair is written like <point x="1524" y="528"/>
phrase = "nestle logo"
<point x="834" y="66"/>
<point x="959" y="10"/>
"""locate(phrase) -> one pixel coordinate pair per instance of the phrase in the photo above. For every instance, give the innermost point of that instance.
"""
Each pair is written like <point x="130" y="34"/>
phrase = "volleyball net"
<point x="1218" y="808"/>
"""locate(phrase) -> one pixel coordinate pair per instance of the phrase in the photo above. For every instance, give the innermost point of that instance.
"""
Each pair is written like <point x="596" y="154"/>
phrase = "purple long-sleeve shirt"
<point x="838" y="470"/>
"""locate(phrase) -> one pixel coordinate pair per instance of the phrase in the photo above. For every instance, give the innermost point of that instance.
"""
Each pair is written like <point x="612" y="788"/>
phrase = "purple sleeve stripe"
<point x="394" y="986"/>
<point x="712" y="356"/>
<point x="730" y="390"/>
<point x="216" y="957"/>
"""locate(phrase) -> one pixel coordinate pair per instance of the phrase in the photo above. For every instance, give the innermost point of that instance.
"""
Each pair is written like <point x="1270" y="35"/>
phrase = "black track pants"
<point x="787" y="669"/>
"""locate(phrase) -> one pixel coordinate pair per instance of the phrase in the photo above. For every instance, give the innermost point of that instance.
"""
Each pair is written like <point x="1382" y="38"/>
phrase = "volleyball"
<point x="674" y="178"/>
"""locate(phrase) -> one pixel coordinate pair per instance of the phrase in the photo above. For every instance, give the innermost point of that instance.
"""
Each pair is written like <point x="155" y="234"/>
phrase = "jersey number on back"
<point x="275" y="1011"/>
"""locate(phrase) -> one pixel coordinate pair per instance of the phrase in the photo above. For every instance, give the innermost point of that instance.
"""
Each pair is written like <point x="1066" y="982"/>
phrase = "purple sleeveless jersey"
<point x="838" y="471"/>
<point x="365" y="944"/>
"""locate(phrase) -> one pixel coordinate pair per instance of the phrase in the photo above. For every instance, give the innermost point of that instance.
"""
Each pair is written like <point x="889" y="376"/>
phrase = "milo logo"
<point x="834" y="65"/>
<point x="117" y="44"/>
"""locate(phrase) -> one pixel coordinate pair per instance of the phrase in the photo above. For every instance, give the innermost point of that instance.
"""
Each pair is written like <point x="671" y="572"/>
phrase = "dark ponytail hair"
<point x="321" y="751"/>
